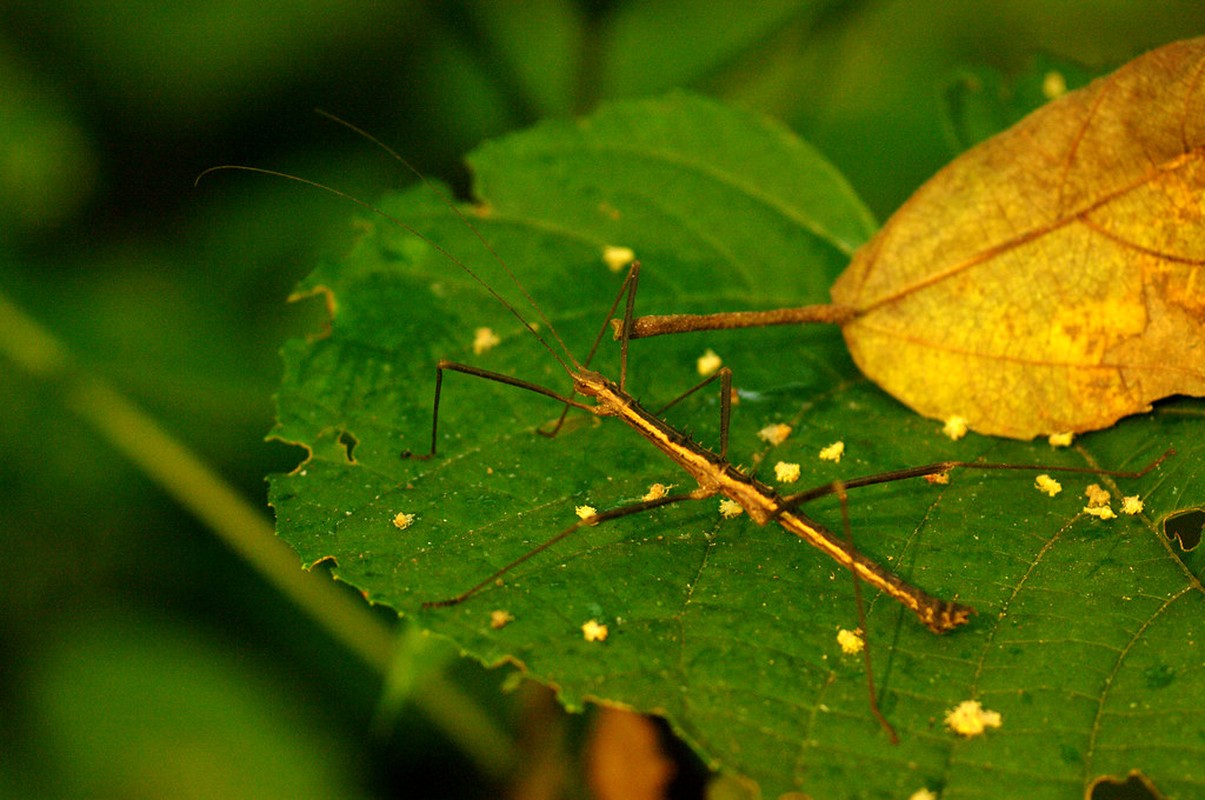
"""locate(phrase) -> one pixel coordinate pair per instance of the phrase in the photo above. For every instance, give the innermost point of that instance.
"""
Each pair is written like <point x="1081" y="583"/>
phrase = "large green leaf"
<point x="1088" y="639"/>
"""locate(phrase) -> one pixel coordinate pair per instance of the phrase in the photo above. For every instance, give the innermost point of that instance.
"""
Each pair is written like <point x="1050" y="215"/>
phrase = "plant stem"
<point x="238" y="523"/>
<point x="192" y="484"/>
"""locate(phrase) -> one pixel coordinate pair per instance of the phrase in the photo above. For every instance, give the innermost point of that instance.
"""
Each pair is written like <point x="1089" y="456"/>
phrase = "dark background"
<point x="142" y="658"/>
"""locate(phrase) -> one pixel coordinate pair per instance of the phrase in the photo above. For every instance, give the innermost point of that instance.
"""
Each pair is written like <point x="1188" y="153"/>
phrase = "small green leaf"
<point x="981" y="102"/>
<point x="727" y="629"/>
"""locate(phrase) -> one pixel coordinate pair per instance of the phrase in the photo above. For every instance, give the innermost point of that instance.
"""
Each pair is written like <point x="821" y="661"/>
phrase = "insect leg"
<point x="663" y="324"/>
<point x="725" y="376"/>
<point x="629" y="287"/>
<point x="839" y="489"/>
<point x="498" y="377"/>
<point x="795" y="500"/>
<point x="593" y="519"/>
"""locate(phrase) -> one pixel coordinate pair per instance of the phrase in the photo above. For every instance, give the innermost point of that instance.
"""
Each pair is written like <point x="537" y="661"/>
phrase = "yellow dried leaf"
<point x="1051" y="278"/>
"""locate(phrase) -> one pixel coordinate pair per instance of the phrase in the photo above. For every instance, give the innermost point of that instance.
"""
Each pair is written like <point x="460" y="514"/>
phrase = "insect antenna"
<point x="428" y="240"/>
<point x="447" y="201"/>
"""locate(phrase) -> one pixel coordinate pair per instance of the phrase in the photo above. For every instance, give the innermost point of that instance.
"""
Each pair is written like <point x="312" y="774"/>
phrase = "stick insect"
<point x="711" y="471"/>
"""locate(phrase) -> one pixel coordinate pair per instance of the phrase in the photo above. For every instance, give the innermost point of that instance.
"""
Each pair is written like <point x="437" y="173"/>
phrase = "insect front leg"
<point x="628" y="289"/>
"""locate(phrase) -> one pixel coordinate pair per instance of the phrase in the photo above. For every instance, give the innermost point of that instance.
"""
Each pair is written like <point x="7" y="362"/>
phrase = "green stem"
<point x="242" y="526"/>
<point x="192" y="484"/>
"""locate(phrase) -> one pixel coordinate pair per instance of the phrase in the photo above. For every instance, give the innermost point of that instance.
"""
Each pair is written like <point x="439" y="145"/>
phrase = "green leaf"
<point x="653" y="47"/>
<point x="980" y="102"/>
<point x="1087" y="639"/>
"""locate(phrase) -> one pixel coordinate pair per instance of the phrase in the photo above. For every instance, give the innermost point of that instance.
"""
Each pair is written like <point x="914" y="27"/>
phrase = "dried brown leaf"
<point x="1050" y="279"/>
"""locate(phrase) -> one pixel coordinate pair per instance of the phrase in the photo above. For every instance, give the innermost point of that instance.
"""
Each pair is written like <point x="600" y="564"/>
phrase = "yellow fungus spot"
<point x="922" y="794"/>
<point x="1048" y="485"/>
<point x="500" y="619"/>
<point x="403" y="520"/>
<point x="656" y="492"/>
<point x="709" y="362"/>
<point x="593" y="631"/>
<point x="1100" y="512"/>
<point x="585" y="512"/>
<point x="955" y="427"/>
<point x="609" y="211"/>
<point x="730" y="508"/>
<point x="833" y="452"/>
<point x="785" y="472"/>
<point x="1054" y="85"/>
<point x="774" y="434"/>
<point x="1096" y="495"/>
<point x="941" y="478"/>
<point x="1061" y="439"/>
<point x="851" y="641"/>
<point x="484" y="339"/>
<point x="617" y="258"/>
<point x="1132" y="505"/>
<point x="969" y="718"/>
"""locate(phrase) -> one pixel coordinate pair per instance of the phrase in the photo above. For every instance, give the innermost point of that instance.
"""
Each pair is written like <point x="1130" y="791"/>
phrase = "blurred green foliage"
<point x="109" y="110"/>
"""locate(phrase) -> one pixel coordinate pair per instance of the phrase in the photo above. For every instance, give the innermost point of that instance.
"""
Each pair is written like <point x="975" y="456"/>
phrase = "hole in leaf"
<point x="348" y="441"/>
<point x="1136" y="786"/>
<point x="1185" y="527"/>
